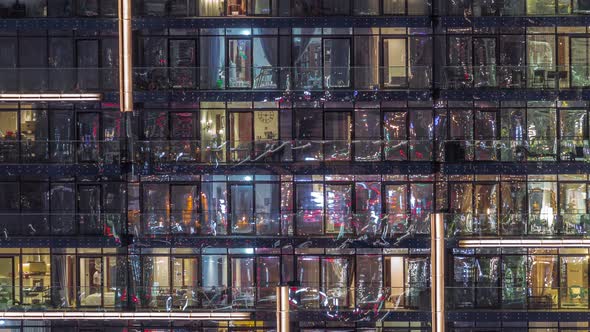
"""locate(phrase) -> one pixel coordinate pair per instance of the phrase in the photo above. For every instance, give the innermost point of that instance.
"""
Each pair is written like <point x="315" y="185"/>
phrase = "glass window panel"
<point x="394" y="7"/>
<point x="241" y="125"/>
<point x="369" y="271"/>
<point x="574" y="282"/>
<point x="542" y="130"/>
<point x="395" y="135"/>
<point x="156" y="281"/>
<point x="541" y="58"/>
<point x="267" y="210"/>
<point x="542" y="198"/>
<point x="243" y="291"/>
<point x="366" y="7"/>
<point x="366" y="55"/>
<point x="572" y="208"/>
<point x="335" y="7"/>
<point x="91" y="282"/>
<point x="212" y="62"/>
<point x="367" y="218"/>
<point x="8" y="61"/>
<point x="265" y="63"/>
<point x="236" y="7"/>
<point x="337" y="62"/>
<point x="307" y="7"/>
<point x="421" y="205"/>
<point x="459" y="70"/>
<point x="63" y="200"/>
<point x="540" y="7"/>
<point x="214" y="205"/>
<point x="110" y="63"/>
<point x="61" y="62"/>
<point x="308" y="273"/>
<point x="396" y="201"/>
<point x="573" y="129"/>
<point x="262" y="7"/>
<point x="513" y="208"/>
<point x="463" y="290"/>
<point x="184" y="206"/>
<point x="338" y="134"/>
<point x="268" y="274"/>
<point x="33" y="57"/>
<point x="367" y="128"/>
<point x="214" y="280"/>
<point x="310" y="208"/>
<point x="420" y="130"/>
<point x="8" y="136"/>
<point x="88" y="7"/>
<point x="486" y="209"/>
<point x="484" y="61"/>
<point x="240" y="63"/>
<point x="184" y="128"/>
<point x="307" y="53"/>
<point x="543" y="281"/>
<point x="87" y="62"/>
<point x="213" y="135"/>
<point x="394" y="282"/>
<point x="242" y="205"/>
<point x="183" y="63"/>
<point x="88" y="134"/>
<point x="60" y="8"/>
<point x="395" y="62"/>
<point x="420" y="54"/>
<point x="211" y="7"/>
<point x="514" y="282"/>
<point x="309" y="128"/>
<point x="487" y="291"/>
<point x="335" y="281"/>
<point x="338" y="208"/>
<point x="61" y="135"/>
<point x="156" y="207"/>
<point x="461" y="205"/>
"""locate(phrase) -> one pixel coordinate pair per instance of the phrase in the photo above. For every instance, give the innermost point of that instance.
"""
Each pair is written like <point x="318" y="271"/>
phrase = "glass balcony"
<point x="34" y="151"/>
<point x="542" y="76"/>
<point x="244" y="76"/>
<point x="98" y="224"/>
<point x="331" y="223"/>
<point x="58" y="80"/>
<point x="542" y="223"/>
<point x="333" y="298"/>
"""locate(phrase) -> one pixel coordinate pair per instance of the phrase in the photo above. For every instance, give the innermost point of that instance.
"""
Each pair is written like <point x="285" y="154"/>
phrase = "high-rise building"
<point x="294" y="165"/>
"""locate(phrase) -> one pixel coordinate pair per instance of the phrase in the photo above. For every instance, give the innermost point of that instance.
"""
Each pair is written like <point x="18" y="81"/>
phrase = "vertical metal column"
<point x="283" y="319"/>
<point x="125" y="57"/>
<point x="437" y="270"/>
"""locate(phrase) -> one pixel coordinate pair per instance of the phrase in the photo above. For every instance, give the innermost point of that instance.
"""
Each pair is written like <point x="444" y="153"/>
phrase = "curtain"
<point x="211" y="8"/>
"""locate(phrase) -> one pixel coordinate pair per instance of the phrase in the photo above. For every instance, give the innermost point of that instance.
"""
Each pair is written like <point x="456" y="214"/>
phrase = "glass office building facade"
<point x="307" y="144"/>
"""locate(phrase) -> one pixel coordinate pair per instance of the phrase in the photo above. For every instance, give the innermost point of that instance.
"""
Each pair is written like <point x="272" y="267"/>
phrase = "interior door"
<point x="395" y="61"/>
<point x="7" y="281"/>
<point x="90" y="281"/>
<point x="90" y="209"/>
<point x="242" y="135"/>
<point x="337" y="63"/>
<point x="87" y="62"/>
<point x="88" y="136"/>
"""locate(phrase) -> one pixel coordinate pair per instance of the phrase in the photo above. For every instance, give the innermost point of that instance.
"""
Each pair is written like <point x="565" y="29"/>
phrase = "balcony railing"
<point x="362" y="150"/>
<point x="233" y="152"/>
<point x="248" y="77"/>
<point x="29" y="224"/>
<point x="334" y="224"/>
<point x="484" y="294"/>
<point x="367" y="299"/>
<point x="542" y="76"/>
<point x="533" y="224"/>
<point x="59" y="80"/>
<point x="29" y="151"/>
